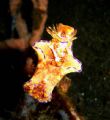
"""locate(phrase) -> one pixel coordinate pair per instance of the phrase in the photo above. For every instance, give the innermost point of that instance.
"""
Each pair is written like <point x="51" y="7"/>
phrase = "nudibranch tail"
<point x="38" y="91"/>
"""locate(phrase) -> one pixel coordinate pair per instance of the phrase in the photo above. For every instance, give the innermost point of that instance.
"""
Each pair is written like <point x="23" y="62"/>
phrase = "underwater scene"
<point x="54" y="60"/>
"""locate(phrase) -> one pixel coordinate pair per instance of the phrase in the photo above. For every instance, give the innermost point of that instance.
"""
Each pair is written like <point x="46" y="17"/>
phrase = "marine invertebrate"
<point x="55" y="60"/>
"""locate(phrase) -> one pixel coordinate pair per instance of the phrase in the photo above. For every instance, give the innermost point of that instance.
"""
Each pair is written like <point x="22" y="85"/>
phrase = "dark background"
<point x="90" y="89"/>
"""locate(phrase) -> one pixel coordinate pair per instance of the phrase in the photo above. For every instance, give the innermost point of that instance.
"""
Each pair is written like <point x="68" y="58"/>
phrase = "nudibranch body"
<point x="55" y="60"/>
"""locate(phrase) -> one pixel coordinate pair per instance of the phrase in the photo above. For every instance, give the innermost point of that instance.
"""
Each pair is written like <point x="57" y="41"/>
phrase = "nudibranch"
<point x="55" y="60"/>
